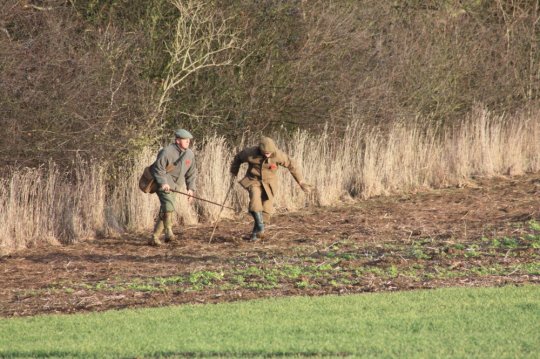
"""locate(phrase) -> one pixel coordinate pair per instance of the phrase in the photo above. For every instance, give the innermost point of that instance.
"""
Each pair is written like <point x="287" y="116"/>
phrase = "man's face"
<point x="183" y="143"/>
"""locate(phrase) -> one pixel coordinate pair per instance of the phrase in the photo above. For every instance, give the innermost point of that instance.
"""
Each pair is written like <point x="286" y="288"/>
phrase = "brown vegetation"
<point x="67" y="89"/>
<point x="484" y="234"/>
<point x="387" y="97"/>
<point x="45" y="205"/>
<point x="91" y="77"/>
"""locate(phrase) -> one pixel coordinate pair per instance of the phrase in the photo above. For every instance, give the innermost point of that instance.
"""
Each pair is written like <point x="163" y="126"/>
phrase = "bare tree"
<point x="202" y="39"/>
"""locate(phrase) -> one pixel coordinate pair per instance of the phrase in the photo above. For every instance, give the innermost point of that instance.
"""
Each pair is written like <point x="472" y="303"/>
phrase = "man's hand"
<point x="190" y="199"/>
<point x="165" y="187"/>
<point x="307" y="188"/>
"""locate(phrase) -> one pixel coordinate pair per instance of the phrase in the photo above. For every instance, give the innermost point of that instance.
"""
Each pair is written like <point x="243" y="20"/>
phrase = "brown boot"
<point x="158" y="229"/>
<point x="168" y="221"/>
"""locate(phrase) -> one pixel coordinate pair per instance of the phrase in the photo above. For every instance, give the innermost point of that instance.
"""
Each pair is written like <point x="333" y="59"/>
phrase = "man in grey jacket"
<point x="175" y="165"/>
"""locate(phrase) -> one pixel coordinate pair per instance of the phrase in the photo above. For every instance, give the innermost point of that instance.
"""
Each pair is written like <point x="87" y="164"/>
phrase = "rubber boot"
<point x="258" y="226"/>
<point x="168" y="221"/>
<point x="158" y="229"/>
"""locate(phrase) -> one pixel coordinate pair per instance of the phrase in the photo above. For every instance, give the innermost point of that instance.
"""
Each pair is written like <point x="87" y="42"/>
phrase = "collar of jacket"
<point x="180" y="149"/>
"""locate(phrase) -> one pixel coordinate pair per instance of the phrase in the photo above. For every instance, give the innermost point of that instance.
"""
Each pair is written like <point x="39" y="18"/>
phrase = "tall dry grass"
<point x="44" y="206"/>
<point x="39" y="206"/>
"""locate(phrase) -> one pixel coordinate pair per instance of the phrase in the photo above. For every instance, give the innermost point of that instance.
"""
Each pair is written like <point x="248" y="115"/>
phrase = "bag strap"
<point x="171" y="166"/>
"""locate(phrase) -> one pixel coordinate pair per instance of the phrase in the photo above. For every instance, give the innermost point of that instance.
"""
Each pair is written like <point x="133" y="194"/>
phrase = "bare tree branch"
<point x="201" y="40"/>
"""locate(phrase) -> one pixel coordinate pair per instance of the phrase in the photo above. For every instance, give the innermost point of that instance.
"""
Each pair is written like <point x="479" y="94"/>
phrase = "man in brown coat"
<point x="261" y="179"/>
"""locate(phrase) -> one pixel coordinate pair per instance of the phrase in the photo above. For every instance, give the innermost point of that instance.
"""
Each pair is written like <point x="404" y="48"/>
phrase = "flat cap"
<point x="181" y="133"/>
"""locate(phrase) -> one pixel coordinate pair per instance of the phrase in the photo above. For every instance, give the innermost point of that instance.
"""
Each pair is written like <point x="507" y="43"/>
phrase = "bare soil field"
<point x="485" y="234"/>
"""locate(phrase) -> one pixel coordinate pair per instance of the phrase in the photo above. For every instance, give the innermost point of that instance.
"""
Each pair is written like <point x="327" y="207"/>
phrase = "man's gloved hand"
<point x="307" y="188"/>
<point x="165" y="187"/>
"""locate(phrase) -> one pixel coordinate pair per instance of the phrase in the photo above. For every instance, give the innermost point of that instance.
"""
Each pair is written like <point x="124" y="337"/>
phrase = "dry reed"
<point x="42" y="206"/>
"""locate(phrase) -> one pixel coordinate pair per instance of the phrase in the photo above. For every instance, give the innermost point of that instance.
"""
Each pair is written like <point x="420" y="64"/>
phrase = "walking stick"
<point x="221" y="210"/>
<point x="204" y="200"/>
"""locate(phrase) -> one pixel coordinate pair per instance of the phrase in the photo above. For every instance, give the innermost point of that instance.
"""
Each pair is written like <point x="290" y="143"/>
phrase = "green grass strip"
<point x="443" y="323"/>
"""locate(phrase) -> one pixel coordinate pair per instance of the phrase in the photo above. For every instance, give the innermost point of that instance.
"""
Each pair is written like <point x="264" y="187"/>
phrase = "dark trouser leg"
<point x="166" y="201"/>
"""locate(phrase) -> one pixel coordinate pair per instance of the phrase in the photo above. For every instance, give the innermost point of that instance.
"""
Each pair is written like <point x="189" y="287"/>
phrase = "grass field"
<point x="459" y="323"/>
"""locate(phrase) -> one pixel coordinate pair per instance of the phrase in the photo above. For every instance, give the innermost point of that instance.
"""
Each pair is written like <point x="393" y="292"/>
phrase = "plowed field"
<point x="486" y="234"/>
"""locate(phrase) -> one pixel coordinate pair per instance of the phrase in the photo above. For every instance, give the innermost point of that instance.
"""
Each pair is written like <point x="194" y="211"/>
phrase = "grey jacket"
<point x="184" y="167"/>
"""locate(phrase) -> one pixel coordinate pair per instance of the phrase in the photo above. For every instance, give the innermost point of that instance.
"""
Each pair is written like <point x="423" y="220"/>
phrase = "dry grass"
<point x="42" y="206"/>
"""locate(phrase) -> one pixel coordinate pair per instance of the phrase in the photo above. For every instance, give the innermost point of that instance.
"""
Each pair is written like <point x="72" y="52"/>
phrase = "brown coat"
<point x="262" y="171"/>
